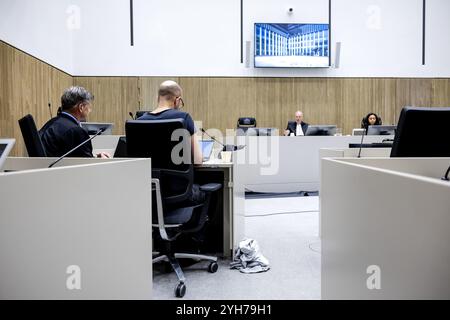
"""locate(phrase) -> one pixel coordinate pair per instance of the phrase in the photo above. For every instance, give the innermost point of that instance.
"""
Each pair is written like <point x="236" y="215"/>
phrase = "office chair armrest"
<point x="210" y="187"/>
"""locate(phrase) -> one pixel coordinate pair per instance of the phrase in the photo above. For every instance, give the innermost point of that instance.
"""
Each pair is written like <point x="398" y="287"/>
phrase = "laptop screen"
<point x="5" y="147"/>
<point x="93" y="127"/>
<point x="2" y="148"/>
<point x="207" y="147"/>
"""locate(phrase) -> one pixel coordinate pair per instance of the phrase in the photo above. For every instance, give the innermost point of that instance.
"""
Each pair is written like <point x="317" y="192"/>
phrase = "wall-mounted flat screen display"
<point x="291" y="45"/>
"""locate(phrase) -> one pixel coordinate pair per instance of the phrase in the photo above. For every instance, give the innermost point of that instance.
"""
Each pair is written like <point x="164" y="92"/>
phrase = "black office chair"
<point x="244" y="123"/>
<point x="174" y="215"/>
<point x="31" y="137"/>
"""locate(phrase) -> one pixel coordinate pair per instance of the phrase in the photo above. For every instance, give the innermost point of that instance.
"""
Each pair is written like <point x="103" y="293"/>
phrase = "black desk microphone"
<point x="361" y="144"/>
<point x="131" y="115"/>
<point x="226" y="147"/>
<point x="50" y="109"/>
<point x="445" y="177"/>
<point x="100" y="131"/>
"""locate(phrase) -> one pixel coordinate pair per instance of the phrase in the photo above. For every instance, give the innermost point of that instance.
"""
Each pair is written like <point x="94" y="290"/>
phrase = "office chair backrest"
<point x="31" y="137"/>
<point x="168" y="144"/>
<point x="246" y="122"/>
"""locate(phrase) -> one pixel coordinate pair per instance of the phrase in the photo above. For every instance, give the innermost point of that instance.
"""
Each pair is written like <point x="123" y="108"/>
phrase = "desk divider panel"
<point x="76" y="232"/>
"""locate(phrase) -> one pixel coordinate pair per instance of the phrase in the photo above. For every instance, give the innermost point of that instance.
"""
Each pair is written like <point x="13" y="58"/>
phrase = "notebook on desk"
<point x="207" y="147"/>
<point x="5" y="147"/>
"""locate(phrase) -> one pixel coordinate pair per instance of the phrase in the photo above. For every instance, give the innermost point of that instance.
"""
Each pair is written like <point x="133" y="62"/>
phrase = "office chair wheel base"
<point x="180" y="290"/>
<point x="213" y="266"/>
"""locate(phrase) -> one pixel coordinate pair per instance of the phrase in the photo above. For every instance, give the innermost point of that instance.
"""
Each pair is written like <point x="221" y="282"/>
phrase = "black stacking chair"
<point x="246" y="122"/>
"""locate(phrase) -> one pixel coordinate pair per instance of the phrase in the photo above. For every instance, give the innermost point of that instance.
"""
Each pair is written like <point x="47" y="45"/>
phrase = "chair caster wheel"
<point x="213" y="266"/>
<point x="180" y="290"/>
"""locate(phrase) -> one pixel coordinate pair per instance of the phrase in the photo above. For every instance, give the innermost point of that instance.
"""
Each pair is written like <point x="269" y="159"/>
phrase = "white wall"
<point x="380" y="38"/>
<point x="196" y="37"/>
<point x="438" y="38"/>
<point x="41" y="28"/>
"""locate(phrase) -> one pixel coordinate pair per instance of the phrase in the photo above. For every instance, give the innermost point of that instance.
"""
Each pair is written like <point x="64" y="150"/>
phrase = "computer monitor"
<point x="358" y="132"/>
<point x="5" y="148"/>
<point x="267" y="131"/>
<point x="321" y="130"/>
<point x="93" y="127"/>
<point x="121" y="148"/>
<point x="422" y="132"/>
<point x="380" y="130"/>
<point x="207" y="148"/>
<point x="261" y="131"/>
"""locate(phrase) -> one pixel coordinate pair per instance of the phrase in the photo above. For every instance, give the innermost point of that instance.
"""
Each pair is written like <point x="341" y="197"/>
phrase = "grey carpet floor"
<point x="270" y="206"/>
<point x="290" y="242"/>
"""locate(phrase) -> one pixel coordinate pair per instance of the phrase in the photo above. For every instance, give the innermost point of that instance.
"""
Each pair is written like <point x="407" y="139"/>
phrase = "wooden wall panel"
<point x="6" y="129"/>
<point x="413" y="92"/>
<point x="229" y="99"/>
<point x="269" y="106"/>
<point x="317" y="99"/>
<point x="114" y="98"/>
<point x="361" y="96"/>
<point x="196" y="99"/>
<point x="148" y="92"/>
<point x="341" y="101"/>
<point x="385" y="94"/>
<point x="441" y="92"/>
<point x="28" y="85"/>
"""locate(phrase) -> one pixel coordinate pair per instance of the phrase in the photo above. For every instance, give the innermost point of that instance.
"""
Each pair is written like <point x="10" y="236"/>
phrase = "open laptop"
<point x="5" y="147"/>
<point x="121" y="148"/>
<point x="93" y="127"/>
<point x="358" y="132"/>
<point x="207" y="147"/>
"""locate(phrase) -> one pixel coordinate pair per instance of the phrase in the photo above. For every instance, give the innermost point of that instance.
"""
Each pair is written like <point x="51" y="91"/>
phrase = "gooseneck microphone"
<point x="361" y="144"/>
<point x="100" y="131"/>
<point x="204" y="132"/>
<point x="445" y="177"/>
<point x="50" y="110"/>
<point x="226" y="147"/>
<point x="131" y="115"/>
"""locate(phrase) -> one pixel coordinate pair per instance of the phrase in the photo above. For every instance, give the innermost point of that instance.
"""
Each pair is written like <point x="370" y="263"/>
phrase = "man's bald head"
<point x="169" y="90"/>
<point x="298" y="116"/>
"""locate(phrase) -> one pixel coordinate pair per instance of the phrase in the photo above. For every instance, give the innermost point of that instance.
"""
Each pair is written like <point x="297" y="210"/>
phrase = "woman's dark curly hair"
<point x="365" y="120"/>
